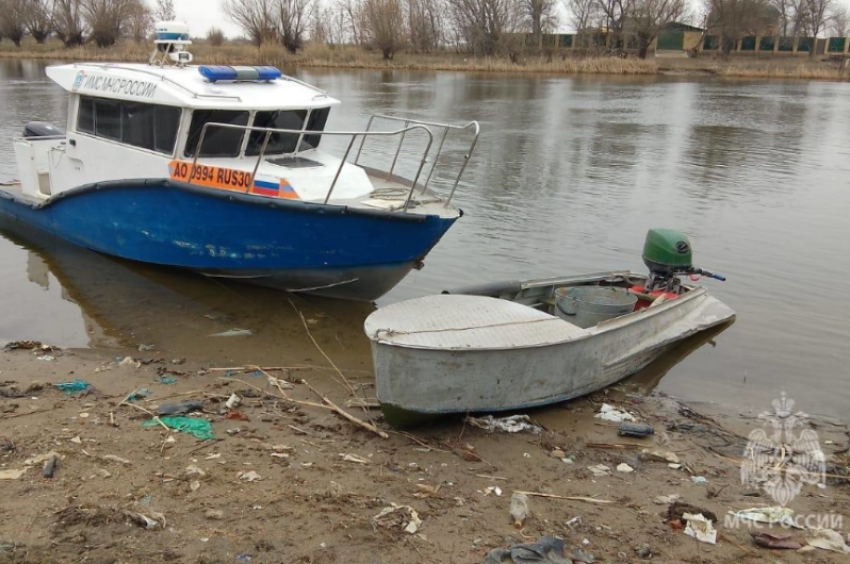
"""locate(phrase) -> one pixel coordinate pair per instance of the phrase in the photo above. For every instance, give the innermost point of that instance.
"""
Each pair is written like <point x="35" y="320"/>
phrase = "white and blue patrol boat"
<point x="223" y="171"/>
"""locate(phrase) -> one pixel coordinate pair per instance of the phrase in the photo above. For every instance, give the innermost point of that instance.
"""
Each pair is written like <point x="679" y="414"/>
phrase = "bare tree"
<point x="539" y="15"/>
<point x="68" y="22"/>
<point x="647" y="18"/>
<point x="39" y="19"/>
<point x="839" y="24"/>
<point x="292" y="19"/>
<point x="13" y="20"/>
<point x="819" y="14"/>
<point x="424" y="24"/>
<point x="255" y="17"/>
<point x="140" y="22"/>
<point x="583" y="15"/>
<point x="164" y="10"/>
<point x="384" y="21"/>
<point x="215" y="36"/>
<point x="615" y="13"/>
<point x="734" y="19"/>
<point x="105" y="19"/>
<point x="336" y="27"/>
<point x="785" y="8"/>
<point x="485" y="25"/>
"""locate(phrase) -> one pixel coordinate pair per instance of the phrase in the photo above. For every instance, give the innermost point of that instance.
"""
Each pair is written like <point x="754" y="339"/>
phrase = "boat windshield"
<point x="285" y="143"/>
<point x="218" y="141"/>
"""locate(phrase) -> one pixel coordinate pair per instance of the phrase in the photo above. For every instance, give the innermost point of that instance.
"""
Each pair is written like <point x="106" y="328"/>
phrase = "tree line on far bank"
<point x="78" y="22"/>
<point x="506" y="28"/>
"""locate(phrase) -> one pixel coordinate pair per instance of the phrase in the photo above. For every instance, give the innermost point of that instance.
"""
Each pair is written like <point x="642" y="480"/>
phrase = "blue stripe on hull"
<point x="235" y="235"/>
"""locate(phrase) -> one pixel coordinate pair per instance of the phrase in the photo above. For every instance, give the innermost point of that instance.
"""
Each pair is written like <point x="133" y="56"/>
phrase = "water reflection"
<point x="123" y="303"/>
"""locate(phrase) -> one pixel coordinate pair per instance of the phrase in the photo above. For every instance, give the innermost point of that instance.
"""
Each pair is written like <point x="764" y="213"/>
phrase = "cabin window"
<point x="107" y="119"/>
<point x="318" y="120"/>
<point x="150" y="126"/>
<point x="279" y="143"/>
<point x="218" y="141"/>
<point x="147" y="126"/>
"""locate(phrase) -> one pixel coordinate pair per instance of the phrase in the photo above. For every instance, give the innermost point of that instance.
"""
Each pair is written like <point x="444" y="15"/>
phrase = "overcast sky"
<point x="201" y="15"/>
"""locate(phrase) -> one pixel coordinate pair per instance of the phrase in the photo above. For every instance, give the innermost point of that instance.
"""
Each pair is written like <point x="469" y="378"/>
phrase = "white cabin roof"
<point x="185" y="87"/>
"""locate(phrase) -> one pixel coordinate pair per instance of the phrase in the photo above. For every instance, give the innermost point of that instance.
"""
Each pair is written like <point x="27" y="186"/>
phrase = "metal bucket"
<point x="586" y="306"/>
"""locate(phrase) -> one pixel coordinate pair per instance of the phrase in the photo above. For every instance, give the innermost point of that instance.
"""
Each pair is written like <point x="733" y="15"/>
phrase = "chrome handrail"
<point x="447" y="127"/>
<point x="353" y="134"/>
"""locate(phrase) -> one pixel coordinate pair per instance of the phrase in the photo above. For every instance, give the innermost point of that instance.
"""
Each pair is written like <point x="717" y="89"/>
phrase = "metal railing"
<point x="446" y="127"/>
<point x="410" y="126"/>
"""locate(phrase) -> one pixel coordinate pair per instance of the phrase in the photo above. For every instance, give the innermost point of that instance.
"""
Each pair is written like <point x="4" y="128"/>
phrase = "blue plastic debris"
<point x="243" y="558"/>
<point x="143" y="393"/>
<point x="73" y="387"/>
<point x="167" y="380"/>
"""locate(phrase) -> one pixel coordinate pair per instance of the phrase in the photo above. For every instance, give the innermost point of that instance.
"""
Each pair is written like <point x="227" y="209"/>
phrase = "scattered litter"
<point x="118" y="459"/>
<point x="827" y="539"/>
<point x="214" y="514"/>
<point x="599" y="470"/>
<point x="103" y="473"/>
<point x="674" y="466"/>
<point x="355" y="458"/>
<point x="12" y="474"/>
<point x="661" y="455"/>
<point x="234" y="333"/>
<point x="628" y="429"/>
<point x="547" y="550"/>
<point x="558" y="453"/>
<point x="70" y="388"/>
<point x="769" y="515"/>
<point x="250" y="476"/>
<point x="167" y="380"/>
<point x="143" y="393"/>
<point x="154" y="522"/>
<point x="243" y="558"/>
<point x="667" y="499"/>
<point x="143" y="348"/>
<point x="574" y="521"/>
<point x="512" y="424"/>
<point x="236" y="416"/>
<point x="569" y="459"/>
<point x="193" y="471"/>
<point x="46" y="358"/>
<point x="679" y="510"/>
<point x="493" y="490"/>
<point x="426" y="490"/>
<point x="611" y="413"/>
<point x="41" y="458"/>
<point x="623" y="467"/>
<point x="414" y="523"/>
<point x="27" y="345"/>
<point x="180" y="408"/>
<point x="519" y="509"/>
<point x="194" y="485"/>
<point x="699" y="479"/>
<point x="643" y="551"/>
<point x="780" y="541"/>
<point x="233" y="401"/>
<point x="50" y="465"/>
<point x="130" y="361"/>
<point x="700" y="528"/>
<point x="198" y="428"/>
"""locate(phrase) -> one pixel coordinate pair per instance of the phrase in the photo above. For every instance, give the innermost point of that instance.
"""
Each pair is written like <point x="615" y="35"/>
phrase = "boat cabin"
<point x="251" y="130"/>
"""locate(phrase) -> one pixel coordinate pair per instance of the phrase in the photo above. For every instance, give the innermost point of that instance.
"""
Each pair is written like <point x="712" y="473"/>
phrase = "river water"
<point x="569" y="174"/>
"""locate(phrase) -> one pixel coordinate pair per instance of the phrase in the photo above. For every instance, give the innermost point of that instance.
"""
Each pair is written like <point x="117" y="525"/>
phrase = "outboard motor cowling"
<point x="667" y="254"/>
<point x="42" y="129"/>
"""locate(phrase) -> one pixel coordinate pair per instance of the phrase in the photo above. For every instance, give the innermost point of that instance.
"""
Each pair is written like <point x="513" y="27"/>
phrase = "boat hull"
<point x="415" y="382"/>
<point x="333" y="250"/>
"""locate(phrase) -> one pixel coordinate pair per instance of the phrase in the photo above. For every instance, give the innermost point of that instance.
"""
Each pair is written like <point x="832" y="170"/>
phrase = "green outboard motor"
<point x="667" y="254"/>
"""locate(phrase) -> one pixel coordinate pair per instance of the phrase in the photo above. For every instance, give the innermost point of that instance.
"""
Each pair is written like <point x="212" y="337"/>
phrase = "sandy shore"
<point x="297" y="483"/>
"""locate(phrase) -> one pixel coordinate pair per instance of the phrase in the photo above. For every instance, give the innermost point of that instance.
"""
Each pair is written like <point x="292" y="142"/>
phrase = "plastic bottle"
<point x="519" y="509"/>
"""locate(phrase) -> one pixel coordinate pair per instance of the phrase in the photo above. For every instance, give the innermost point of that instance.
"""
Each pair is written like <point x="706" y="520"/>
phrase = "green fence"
<point x="836" y="45"/>
<point x="805" y="44"/>
<point x="766" y="44"/>
<point x="786" y="44"/>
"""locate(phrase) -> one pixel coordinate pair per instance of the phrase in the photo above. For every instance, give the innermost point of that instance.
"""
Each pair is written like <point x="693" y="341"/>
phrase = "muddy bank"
<point x="296" y="483"/>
